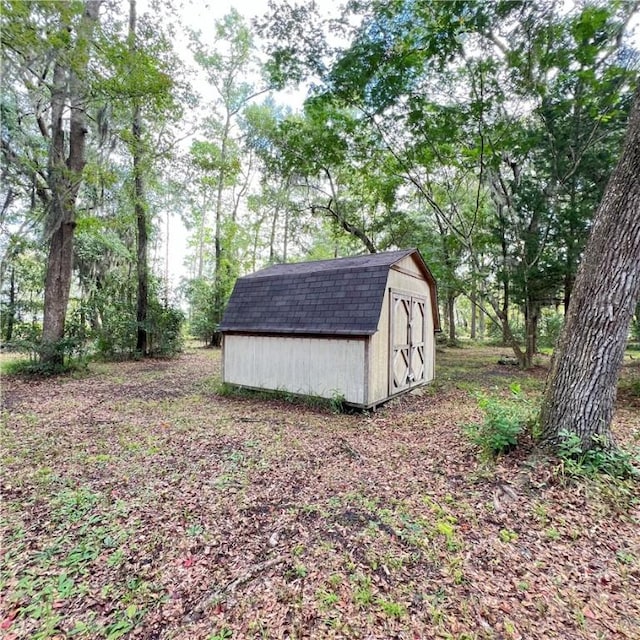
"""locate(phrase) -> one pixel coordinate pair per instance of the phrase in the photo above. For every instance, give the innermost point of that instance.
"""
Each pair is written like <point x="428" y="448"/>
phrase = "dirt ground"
<point x="138" y="502"/>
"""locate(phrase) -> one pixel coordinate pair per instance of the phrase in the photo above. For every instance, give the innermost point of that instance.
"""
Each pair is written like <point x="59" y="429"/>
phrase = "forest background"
<point x="482" y="133"/>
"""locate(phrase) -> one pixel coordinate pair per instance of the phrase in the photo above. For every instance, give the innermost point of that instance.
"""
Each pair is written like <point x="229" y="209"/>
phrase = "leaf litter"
<point x="140" y="503"/>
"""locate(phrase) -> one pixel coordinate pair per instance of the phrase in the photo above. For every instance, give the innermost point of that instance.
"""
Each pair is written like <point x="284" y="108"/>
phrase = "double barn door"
<point x="407" y="341"/>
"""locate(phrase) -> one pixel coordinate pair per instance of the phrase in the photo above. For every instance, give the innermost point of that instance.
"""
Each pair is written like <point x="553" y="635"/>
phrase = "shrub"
<point x="165" y="330"/>
<point x="504" y="421"/>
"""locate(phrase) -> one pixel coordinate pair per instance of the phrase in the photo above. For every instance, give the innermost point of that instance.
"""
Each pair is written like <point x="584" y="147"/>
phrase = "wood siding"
<point x="322" y="367"/>
<point x="404" y="277"/>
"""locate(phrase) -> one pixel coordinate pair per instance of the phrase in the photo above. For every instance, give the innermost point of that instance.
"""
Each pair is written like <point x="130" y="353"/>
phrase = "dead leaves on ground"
<point x="137" y="503"/>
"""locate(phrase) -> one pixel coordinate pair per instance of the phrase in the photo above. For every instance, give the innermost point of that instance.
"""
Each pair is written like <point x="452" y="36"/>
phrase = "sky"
<point x="201" y="16"/>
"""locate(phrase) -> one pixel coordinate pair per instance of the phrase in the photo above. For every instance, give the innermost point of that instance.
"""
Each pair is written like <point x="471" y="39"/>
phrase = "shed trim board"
<point x="359" y="328"/>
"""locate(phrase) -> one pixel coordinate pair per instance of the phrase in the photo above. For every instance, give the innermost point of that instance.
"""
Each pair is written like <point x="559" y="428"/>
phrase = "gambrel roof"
<point x="328" y="297"/>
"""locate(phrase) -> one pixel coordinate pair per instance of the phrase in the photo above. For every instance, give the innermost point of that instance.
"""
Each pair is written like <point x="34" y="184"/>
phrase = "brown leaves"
<point x="137" y="500"/>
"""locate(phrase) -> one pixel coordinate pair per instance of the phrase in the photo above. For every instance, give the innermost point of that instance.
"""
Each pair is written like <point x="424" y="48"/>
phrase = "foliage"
<point x="116" y="337"/>
<point x="601" y="458"/>
<point x="70" y="353"/>
<point x="203" y="315"/>
<point x="635" y="325"/>
<point x="550" y="329"/>
<point x="504" y="421"/>
<point x="164" y="330"/>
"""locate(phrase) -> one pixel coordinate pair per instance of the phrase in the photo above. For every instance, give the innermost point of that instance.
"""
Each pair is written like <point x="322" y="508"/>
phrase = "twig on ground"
<point x="351" y="451"/>
<point x="198" y="611"/>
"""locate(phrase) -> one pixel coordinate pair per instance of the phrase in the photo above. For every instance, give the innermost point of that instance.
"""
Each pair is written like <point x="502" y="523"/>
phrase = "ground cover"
<point x="139" y="502"/>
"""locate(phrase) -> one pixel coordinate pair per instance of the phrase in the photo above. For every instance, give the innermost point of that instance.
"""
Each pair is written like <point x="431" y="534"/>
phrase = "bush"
<point x="503" y="422"/>
<point x="165" y="330"/>
<point x="46" y="360"/>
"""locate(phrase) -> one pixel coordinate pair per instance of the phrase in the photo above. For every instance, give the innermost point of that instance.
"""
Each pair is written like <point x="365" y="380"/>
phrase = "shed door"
<point x="407" y="341"/>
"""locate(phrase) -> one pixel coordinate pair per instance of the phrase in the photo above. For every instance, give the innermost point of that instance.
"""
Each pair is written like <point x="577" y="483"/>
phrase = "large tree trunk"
<point x="142" y="298"/>
<point x="218" y="297"/>
<point x="581" y="389"/>
<point x="69" y="90"/>
<point x="140" y="209"/>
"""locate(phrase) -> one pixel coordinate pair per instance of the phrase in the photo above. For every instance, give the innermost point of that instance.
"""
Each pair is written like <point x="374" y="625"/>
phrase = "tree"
<point x="221" y="176"/>
<point x="67" y="158"/>
<point x="581" y="389"/>
<point x="139" y="203"/>
<point x="468" y="106"/>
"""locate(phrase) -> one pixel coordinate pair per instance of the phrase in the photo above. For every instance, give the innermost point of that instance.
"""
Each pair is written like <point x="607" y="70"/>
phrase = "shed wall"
<point x="407" y="277"/>
<point x="320" y="367"/>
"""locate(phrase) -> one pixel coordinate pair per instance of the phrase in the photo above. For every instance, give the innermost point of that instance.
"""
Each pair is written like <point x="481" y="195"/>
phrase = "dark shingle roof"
<point x="339" y="297"/>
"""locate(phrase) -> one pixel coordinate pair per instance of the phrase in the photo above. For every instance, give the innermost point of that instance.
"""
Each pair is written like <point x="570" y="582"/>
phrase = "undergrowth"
<point x="504" y="421"/>
<point x="600" y="459"/>
<point x="33" y="368"/>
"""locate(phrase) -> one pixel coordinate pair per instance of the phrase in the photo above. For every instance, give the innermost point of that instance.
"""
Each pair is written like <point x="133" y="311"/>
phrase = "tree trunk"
<point x="11" y="315"/>
<point x="532" y="315"/>
<point x="272" y="237"/>
<point x="140" y="209"/>
<point x="69" y="90"/>
<point x="581" y="389"/>
<point x="218" y="298"/>
<point x="451" y="311"/>
<point x="504" y="315"/>
<point x="285" y="240"/>
<point x="474" y="312"/>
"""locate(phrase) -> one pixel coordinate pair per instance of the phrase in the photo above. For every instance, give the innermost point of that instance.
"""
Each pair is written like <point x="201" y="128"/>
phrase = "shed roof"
<point x="333" y="297"/>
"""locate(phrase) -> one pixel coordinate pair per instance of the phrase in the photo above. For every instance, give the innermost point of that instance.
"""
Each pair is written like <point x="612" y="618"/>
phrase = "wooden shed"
<point x="359" y="328"/>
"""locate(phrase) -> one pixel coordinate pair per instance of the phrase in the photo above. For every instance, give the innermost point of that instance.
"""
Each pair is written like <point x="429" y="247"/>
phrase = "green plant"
<point x="507" y="535"/>
<point x="362" y="594"/>
<point x="551" y="533"/>
<point x="601" y="458"/>
<point x="194" y="530"/>
<point x="336" y="402"/>
<point x="392" y="609"/>
<point x="327" y="598"/>
<point x="503" y="422"/>
<point x="624" y="557"/>
<point x="32" y="366"/>
<point x="124" y="623"/>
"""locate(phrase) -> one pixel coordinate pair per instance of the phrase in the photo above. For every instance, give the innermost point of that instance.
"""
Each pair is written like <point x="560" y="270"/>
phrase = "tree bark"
<point x="451" y="311"/>
<point x="474" y="312"/>
<point x="69" y="88"/>
<point x="582" y="383"/>
<point x="532" y="314"/>
<point x="11" y="315"/>
<point x="140" y="209"/>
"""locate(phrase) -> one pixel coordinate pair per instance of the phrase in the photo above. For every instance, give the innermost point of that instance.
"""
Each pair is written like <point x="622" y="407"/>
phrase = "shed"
<point x="359" y="328"/>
